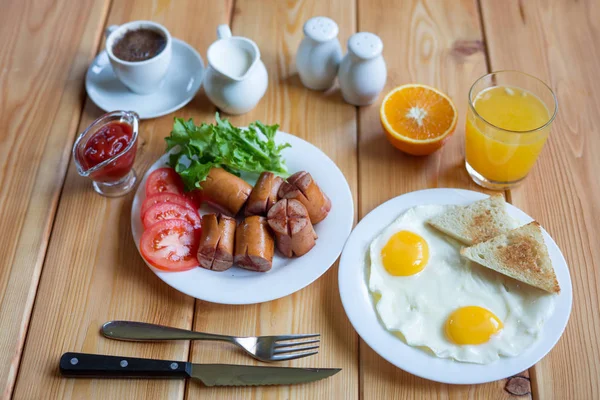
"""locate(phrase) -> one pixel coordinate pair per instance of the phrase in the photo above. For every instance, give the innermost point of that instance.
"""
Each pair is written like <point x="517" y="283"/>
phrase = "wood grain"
<point x="439" y="44"/>
<point x="557" y="42"/>
<point x="93" y="272"/>
<point x="46" y="49"/>
<point x="324" y="120"/>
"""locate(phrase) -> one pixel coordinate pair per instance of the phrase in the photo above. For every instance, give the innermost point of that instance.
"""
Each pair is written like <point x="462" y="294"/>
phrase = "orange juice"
<point x="503" y="141"/>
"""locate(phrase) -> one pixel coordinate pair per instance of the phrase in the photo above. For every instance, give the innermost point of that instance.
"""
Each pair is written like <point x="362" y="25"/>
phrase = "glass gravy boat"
<point x="114" y="176"/>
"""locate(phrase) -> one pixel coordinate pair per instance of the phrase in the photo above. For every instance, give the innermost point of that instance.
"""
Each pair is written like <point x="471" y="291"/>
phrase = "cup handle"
<point x="223" y="31"/>
<point x="110" y="30"/>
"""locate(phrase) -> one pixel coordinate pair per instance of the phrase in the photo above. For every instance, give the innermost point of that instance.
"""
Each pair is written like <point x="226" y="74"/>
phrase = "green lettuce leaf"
<point x="200" y="148"/>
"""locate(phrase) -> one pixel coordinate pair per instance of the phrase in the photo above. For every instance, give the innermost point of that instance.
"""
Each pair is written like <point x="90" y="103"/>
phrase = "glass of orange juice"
<point x="508" y="122"/>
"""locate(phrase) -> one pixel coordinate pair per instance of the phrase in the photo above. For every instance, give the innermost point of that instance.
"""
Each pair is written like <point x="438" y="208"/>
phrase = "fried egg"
<point x="434" y="299"/>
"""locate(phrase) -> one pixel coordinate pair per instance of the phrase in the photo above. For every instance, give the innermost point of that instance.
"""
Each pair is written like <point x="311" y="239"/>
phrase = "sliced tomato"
<point x="164" y="180"/>
<point x="171" y="245"/>
<point x="195" y="196"/>
<point x="163" y="211"/>
<point x="166" y="197"/>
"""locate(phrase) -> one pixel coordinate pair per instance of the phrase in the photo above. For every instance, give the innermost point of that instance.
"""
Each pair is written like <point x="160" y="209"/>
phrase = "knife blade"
<point x="81" y="365"/>
<point x="248" y="375"/>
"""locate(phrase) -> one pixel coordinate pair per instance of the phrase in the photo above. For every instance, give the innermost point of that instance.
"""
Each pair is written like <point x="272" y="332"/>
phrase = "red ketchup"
<point x="109" y="141"/>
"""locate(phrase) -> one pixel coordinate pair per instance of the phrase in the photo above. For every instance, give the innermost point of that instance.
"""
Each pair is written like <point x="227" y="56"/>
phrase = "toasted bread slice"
<point x="479" y="221"/>
<point x="520" y="254"/>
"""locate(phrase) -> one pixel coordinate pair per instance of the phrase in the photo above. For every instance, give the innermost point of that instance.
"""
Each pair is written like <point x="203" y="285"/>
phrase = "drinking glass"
<point x="499" y="156"/>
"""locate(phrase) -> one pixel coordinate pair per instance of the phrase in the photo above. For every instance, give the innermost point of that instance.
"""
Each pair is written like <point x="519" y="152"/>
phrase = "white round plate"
<point x="181" y="84"/>
<point x="359" y="306"/>
<point x="288" y="275"/>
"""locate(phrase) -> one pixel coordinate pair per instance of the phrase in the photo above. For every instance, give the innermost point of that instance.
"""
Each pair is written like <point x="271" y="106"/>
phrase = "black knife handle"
<point x="81" y="365"/>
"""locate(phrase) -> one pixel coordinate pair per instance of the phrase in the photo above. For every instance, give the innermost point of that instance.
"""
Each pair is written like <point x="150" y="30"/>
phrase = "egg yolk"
<point x="472" y="325"/>
<point x="405" y="254"/>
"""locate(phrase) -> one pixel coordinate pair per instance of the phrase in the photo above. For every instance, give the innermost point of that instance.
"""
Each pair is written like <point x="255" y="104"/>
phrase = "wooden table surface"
<point x="68" y="262"/>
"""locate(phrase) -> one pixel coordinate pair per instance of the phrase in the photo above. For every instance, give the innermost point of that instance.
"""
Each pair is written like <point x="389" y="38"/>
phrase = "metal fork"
<point x="263" y="348"/>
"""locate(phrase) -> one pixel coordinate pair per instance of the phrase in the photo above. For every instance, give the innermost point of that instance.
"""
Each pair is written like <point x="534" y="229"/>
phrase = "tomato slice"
<point x="166" y="197"/>
<point x="164" y="180"/>
<point x="195" y="196"/>
<point x="163" y="211"/>
<point x="171" y="245"/>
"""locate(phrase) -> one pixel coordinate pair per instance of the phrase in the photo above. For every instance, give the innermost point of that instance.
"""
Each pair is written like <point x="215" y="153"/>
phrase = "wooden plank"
<point x="93" y="272"/>
<point x="327" y="122"/>
<point x="40" y="103"/>
<point x="557" y="42"/>
<point x="439" y="44"/>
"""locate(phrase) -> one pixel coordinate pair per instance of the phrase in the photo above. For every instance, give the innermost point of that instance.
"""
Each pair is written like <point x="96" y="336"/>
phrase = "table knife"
<point x="81" y="365"/>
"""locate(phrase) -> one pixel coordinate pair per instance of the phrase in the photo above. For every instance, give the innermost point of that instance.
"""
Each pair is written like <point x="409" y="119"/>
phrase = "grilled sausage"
<point x="302" y="187"/>
<point x="216" y="242"/>
<point x="294" y="233"/>
<point x="277" y="219"/>
<point x="264" y="194"/>
<point x="225" y="190"/>
<point x="254" y="246"/>
<point x="300" y="228"/>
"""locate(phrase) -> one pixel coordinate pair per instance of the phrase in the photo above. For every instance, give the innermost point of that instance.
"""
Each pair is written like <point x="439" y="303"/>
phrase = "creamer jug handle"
<point x="223" y="31"/>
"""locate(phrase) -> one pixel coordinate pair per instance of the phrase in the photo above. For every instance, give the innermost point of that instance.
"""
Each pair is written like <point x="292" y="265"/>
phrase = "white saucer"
<point x="181" y="84"/>
<point x="358" y="302"/>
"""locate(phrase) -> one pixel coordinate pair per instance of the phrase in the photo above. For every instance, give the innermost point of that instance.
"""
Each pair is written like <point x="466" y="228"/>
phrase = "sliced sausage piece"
<point x="278" y="221"/>
<point x="294" y="233"/>
<point x="264" y="194"/>
<point x="277" y="217"/>
<point x="254" y="245"/>
<point x="302" y="187"/>
<point x="216" y="242"/>
<point x="300" y="228"/>
<point x="274" y="196"/>
<point x="225" y="190"/>
<point x="208" y="240"/>
<point x="225" y="247"/>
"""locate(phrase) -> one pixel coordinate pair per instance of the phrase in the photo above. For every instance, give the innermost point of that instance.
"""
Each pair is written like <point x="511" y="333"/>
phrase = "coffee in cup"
<point x="139" y="45"/>
<point x="140" y="54"/>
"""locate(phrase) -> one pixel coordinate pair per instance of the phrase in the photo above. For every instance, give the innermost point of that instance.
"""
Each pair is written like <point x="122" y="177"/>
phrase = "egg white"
<point x="418" y="306"/>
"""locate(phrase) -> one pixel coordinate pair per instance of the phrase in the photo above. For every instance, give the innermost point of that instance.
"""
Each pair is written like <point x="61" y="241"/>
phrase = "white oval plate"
<point x="359" y="306"/>
<point x="181" y="84"/>
<point x="288" y="275"/>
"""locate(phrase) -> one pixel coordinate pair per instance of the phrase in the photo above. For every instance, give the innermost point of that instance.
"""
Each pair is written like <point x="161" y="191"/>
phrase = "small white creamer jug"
<point x="236" y="79"/>
<point x="319" y="54"/>
<point x="362" y="73"/>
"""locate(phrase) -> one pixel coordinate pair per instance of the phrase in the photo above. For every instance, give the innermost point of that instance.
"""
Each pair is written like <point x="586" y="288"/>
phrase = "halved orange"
<point x="417" y="119"/>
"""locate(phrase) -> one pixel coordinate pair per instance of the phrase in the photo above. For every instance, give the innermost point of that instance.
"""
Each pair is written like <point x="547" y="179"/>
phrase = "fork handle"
<point x="141" y="331"/>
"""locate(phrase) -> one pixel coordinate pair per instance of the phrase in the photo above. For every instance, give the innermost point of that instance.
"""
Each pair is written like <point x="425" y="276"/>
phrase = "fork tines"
<point x="290" y="347"/>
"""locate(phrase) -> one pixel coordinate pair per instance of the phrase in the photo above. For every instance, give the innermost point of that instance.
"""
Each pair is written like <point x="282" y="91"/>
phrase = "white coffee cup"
<point x="142" y="77"/>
